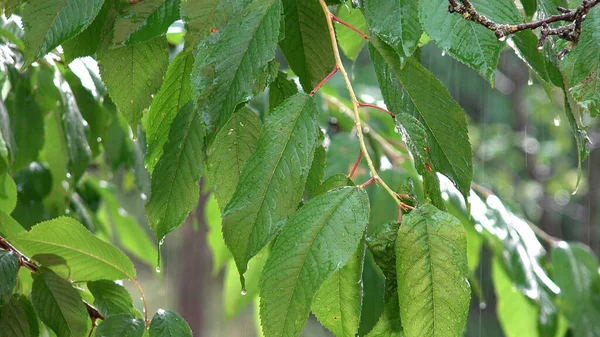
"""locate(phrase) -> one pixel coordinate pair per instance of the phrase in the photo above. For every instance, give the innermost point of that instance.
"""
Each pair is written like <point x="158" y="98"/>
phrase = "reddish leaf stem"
<point x="360" y="155"/>
<point x="323" y="81"/>
<point x="356" y="30"/>
<point x="368" y="182"/>
<point x="366" y="105"/>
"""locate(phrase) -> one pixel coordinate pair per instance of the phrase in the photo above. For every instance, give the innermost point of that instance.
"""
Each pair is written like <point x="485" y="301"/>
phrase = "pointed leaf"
<point x="174" y="93"/>
<point x="166" y="323"/>
<point x="112" y="299"/>
<point x="281" y="89"/>
<point x="122" y="325"/>
<point x="34" y="321"/>
<point x="8" y="193"/>
<point x="222" y="79"/>
<point x="230" y="151"/>
<point x="265" y="196"/>
<point x="13" y="319"/>
<point x="175" y="178"/>
<point x="350" y="43"/>
<point x="318" y="240"/>
<point x="432" y="271"/>
<point x="58" y="305"/>
<point x="143" y="21"/>
<point x="306" y="43"/>
<point x="49" y="23"/>
<point x="75" y="131"/>
<point x="132" y="74"/>
<point x="395" y="22"/>
<point x="426" y="99"/>
<point x="235" y="299"/>
<point x="66" y="246"/>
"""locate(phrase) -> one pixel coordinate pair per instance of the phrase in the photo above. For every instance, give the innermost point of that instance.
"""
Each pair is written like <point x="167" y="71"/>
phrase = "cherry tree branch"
<point x="571" y="31"/>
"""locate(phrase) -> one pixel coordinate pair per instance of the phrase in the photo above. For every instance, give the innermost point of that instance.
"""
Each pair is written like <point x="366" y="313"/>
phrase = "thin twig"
<point x="378" y="108"/>
<point x="353" y="170"/>
<point x="144" y="302"/>
<point x="323" y="81"/>
<point x="356" y="30"/>
<point x="354" y="100"/>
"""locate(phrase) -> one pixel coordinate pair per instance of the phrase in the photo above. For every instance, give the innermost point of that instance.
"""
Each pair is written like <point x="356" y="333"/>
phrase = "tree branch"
<point x="570" y="32"/>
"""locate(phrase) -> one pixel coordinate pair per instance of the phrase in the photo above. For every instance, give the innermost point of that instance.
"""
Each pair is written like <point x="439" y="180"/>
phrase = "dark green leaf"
<point x="175" y="178"/>
<point x="132" y="74"/>
<point x="174" y="93"/>
<point x="111" y="299"/>
<point x="9" y="266"/>
<point x="31" y="316"/>
<point x="221" y="79"/>
<point x="49" y="23"/>
<point x="8" y="193"/>
<point x="87" y="42"/>
<point x="281" y="89"/>
<point x="432" y="270"/>
<point x="416" y="91"/>
<point x="122" y="325"/>
<point x="351" y="43"/>
<point x="285" y="149"/>
<point x="13" y="319"/>
<point x="230" y="151"/>
<point x="8" y="146"/>
<point x="529" y="6"/>
<point x="306" y="43"/>
<point x="64" y="245"/>
<point x="395" y="22"/>
<point x="58" y="305"/>
<point x="33" y="182"/>
<point x="145" y="20"/>
<point x="316" y="172"/>
<point x="317" y="241"/>
<point x="166" y="323"/>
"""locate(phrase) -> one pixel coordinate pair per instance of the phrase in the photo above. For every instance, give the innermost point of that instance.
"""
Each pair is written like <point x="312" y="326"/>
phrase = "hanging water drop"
<point x="158" y="269"/>
<point x="556" y="121"/>
<point x="143" y="196"/>
<point x="530" y="80"/>
<point x="244" y="292"/>
<point x="502" y="38"/>
<point x="540" y="47"/>
<point x="482" y="305"/>
<point x="443" y="53"/>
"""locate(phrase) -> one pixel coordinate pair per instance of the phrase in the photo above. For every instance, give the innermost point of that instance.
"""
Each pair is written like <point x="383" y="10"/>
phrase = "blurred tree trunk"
<point x="194" y="268"/>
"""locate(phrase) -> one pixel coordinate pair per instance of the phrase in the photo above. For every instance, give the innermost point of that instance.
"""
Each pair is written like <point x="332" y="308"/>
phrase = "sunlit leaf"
<point x="166" y="323"/>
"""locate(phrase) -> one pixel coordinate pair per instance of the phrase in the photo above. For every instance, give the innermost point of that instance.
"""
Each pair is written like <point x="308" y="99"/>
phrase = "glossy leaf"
<point x="87" y="42"/>
<point x="49" y="23"/>
<point x="350" y="43"/>
<point x="9" y="266"/>
<point x="265" y="197"/>
<point x="122" y="325"/>
<point x="13" y="319"/>
<point x="317" y="241"/>
<point x="394" y="22"/>
<point x="166" y="323"/>
<point x="174" y="93"/>
<point x="426" y="99"/>
<point x="230" y="151"/>
<point x="175" y="178"/>
<point x="112" y="299"/>
<point x="306" y="43"/>
<point x="58" y="305"/>
<point x="132" y="74"/>
<point x="64" y="245"/>
<point x="8" y="193"/>
<point x="143" y="21"/>
<point x="222" y="79"/>
<point x="432" y="270"/>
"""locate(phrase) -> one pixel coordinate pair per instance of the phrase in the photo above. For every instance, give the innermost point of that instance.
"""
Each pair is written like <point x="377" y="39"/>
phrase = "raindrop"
<point x="143" y="196"/>
<point x="502" y="38"/>
<point x="67" y="211"/>
<point x="482" y="305"/>
<point x="99" y="139"/>
<point x="68" y="175"/>
<point x="540" y="47"/>
<point x="158" y="269"/>
<point x="556" y="121"/>
<point x="244" y="292"/>
<point x="162" y="242"/>
<point x="443" y="53"/>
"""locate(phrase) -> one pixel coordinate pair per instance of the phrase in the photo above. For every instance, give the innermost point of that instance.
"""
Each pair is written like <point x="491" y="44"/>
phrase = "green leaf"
<point x="281" y="89"/>
<point x="235" y="299"/>
<point x="143" y="21"/>
<point x="578" y="129"/>
<point x="87" y="42"/>
<point x="122" y="325"/>
<point x="351" y="43"/>
<point x="417" y="92"/>
<point x="221" y="79"/>
<point x="517" y="316"/>
<point x="8" y="193"/>
<point x="174" y="93"/>
<point x="112" y="299"/>
<point x="214" y="237"/>
<point x="49" y="23"/>
<point x="132" y="74"/>
<point x="8" y="146"/>
<point x="9" y="227"/>
<point x="285" y="149"/>
<point x="395" y="22"/>
<point x="13" y="319"/>
<point x="9" y="266"/>
<point x="306" y="43"/>
<point x="576" y="273"/>
<point x="230" y="151"/>
<point x="333" y="182"/>
<point x="175" y="178"/>
<point x="525" y="46"/>
<point x="201" y="17"/>
<point x="58" y="305"/>
<point x="337" y="304"/>
<point x="432" y="270"/>
<point x="166" y="323"/>
<point x="10" y="6"/>
<point x="317" y="171"/>
<point x="80" y="255"/>
<point x="317" y="241"/>
<point x="29" y="313"/>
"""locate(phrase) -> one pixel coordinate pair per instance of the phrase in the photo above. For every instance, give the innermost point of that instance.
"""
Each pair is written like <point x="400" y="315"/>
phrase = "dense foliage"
<point x="304" y="175"/>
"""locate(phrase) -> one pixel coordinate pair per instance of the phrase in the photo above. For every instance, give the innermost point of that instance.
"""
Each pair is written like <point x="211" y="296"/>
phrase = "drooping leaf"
<point x="317" y="241"/>
<point x="306" y="43"/>
<point x="337" y="304"/>
<point x="167" y="323"/>
<point x="87" y="42"/>
<point x="230" y="151"/>
<point x="395" y="22"/>
<point x="122" y="325"/>
<point x="281" y="89"/>
<point x="235" y="299"/>
<point x="525" y="46"/>
<point x="222" y="79"/>
<point x="9" y="266"/>
<point x="351" y="43"/>
<point x="214" y="237"/>
<point x="8" y="193"/>
<point x="13" y="319"/>
<point x="176" y="175"/>
<point x="143" y="21"/>
<point x="426" y="99"/>
<point x="573" y="113"/>
<point x="132" y="74"/>
<point x="49" y="23"/>
<point x="67" y="247"/>
<point x="265" y="196"/>
<point x="58" y="305"/>
<point x="174" y="93"/>
<point x="432" y="271"/>
<point x="112" y="299"/>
